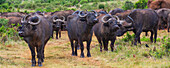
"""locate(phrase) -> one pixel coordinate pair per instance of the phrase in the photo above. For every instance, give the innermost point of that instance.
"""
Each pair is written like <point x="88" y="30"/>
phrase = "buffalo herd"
<point x="38" y="27"/>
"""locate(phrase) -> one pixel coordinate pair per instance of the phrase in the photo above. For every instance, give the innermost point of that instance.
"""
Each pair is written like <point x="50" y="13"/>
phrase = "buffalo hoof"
<point x="39" y="65"/>
<point x="73" y="54"/>
<point x="33" y="65"/>
<point x="101" y="50"/>
<point x="78" y="48"/>
<point x="82" y="56"/>
<point x="89" y="55"/>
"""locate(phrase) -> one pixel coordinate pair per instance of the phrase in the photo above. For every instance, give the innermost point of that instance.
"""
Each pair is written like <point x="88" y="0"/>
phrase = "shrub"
<point x="128" y="5"/>
<point x="68" y="4"/>
<point x="38" y="9"/>
<point x="5" y="5"/>
<point x="6" y="33"/>
<point x="128" y="37"/>
<point x="141" y="4"/>
<point x="2" y="1"/>
<point x="30" y="6"/>
<point x="16" y="5"/>
<point x="83" y="1"/>
<point x="77" y="5"/>
<point x="101" y="6"/>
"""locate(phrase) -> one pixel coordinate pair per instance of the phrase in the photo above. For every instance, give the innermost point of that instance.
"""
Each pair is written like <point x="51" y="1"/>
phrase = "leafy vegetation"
<point x="141" y="4"/>
<point x="128" y="5"/>
<point x="6" y="33"/>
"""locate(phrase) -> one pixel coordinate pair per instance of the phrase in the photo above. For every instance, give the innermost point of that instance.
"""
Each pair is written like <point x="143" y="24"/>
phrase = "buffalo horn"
<point x="32" y="23"/>
<point x="104" y="17"/>
<point x="95" y="13"/>
<point x="117" y="18"/>
<point x="82" y="15"/>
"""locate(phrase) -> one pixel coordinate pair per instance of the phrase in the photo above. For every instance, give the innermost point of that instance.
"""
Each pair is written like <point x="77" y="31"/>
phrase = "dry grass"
<point x="58" y="54"/>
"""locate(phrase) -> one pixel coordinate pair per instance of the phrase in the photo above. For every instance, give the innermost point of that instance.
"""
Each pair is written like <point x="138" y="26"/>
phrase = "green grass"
<point x="58" y="54"/>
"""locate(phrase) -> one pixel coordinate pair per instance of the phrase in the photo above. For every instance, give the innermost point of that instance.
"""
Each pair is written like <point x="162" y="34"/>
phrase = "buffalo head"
<point x="125" y="25"/>
<point x="110" y="22"/>
<point x="89" y="17"/>
<point x="57" y="22"/>
<point x="29" y="24"/>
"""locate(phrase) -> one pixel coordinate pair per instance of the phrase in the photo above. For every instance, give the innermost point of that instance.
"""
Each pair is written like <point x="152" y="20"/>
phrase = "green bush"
<point x="68" y="4"/>
<point x="128" y="5"/>
<point x="5" y="5"/>
<point x="6" y="33"/>
<point x="16" y="5"/>
<point x="2" y="1"/>
<point x="87" y="7"/>
<point x="83" y="1"/>
<point x="141" y="4"/>
<point x="101" y="6"/>
<point x="75" y="2"/>
<point x="128" y="37"/>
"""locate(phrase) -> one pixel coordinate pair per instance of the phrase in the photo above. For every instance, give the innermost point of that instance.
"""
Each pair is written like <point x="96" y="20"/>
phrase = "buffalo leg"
<point x="112" y="43"/>
<point x="146" y="33"/>
<point x="105" y="42"/>
<point x="151" y="37"/>
<point x="33" y="55"/>
<point x="88" y="48"/>
<point x="76" y="44"/>
<point x="72" y="46"/>
<point x="82" y="48"/>
<point x="139" y="40"/>
<point x="155" y="35"/>
<point x="99" y="40"/>
<point x="40" y="54"/>
<point x="168" y="25"/>
<point x="137" y="35"/>
<point x="57" y="34"/>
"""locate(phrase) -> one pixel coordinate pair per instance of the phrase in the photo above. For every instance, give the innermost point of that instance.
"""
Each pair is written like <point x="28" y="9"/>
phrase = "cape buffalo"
<point x="117" y="10"/>
<point x="157" y="4"/>
<point x="36" y="31"/>
<point x="140" y="20"/>
<point x="164" y="16"/>
<point x="105" y="31"/>
<point x="79" y="27"/>
<point x="57" y="25"/>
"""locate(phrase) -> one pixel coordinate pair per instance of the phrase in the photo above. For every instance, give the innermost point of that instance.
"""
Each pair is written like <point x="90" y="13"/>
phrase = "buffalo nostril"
<point x="117" y="27"/>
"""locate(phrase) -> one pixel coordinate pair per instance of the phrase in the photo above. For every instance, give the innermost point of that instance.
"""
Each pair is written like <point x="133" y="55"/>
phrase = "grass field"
<point x="58" y="54"/>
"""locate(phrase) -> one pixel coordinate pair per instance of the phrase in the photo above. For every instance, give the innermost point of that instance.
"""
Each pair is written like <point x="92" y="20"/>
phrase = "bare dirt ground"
<point x="58" y="55"/>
